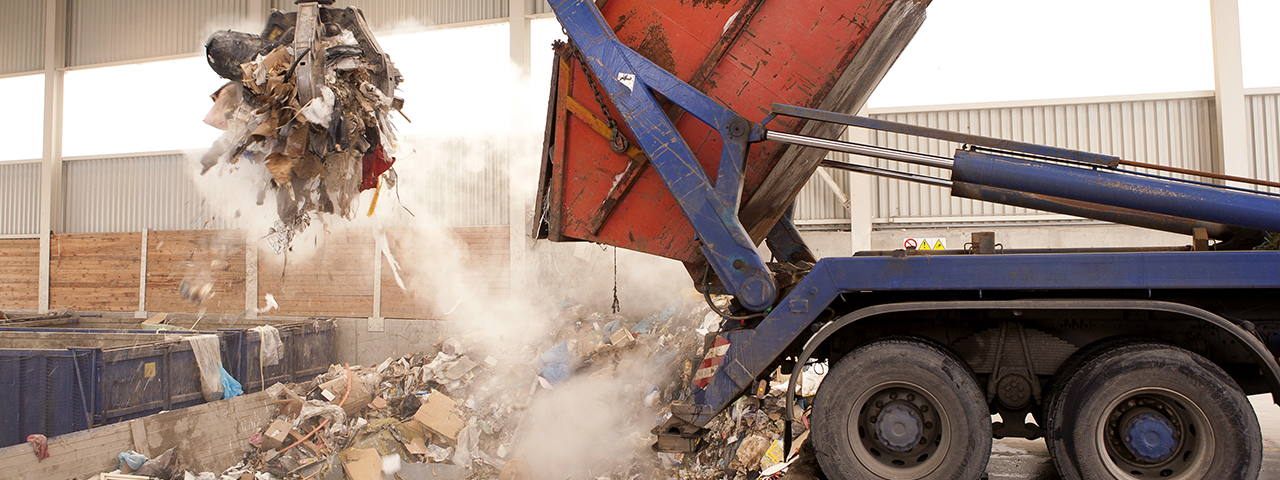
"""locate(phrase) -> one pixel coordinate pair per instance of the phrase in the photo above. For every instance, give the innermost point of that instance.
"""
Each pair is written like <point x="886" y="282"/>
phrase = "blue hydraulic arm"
<point x="1080" y="179"/>
<point x="630" y="80"/>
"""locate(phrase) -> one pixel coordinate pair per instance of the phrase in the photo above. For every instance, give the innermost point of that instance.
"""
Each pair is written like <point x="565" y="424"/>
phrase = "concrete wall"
<point x="839" y="243"/>
<point x="210" y="437"/>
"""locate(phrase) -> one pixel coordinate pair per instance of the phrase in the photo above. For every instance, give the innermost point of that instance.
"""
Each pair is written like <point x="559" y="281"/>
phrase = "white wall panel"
<point x="20" y="199"/>
<point x="1264" y="137"/>
<point x="539" y="6"/>
<point x="455" y="181"/>
<point x="128" y="194"/>
<point x="112" y="31"/>
<point x="21" y="36"/>
<point x="1172" y="132"/>
<point x="383" y="15"/>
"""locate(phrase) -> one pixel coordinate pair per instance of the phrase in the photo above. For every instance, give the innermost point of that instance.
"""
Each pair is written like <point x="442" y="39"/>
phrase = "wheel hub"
<point x="899" y="427"/>
<point x="1154" y="432"/>
<point x="1150" y="437"/>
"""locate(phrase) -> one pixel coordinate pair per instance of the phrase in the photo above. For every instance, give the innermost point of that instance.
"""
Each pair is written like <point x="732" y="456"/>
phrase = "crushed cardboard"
<point x="316" y="115"/>
<point x="436" y="414"/>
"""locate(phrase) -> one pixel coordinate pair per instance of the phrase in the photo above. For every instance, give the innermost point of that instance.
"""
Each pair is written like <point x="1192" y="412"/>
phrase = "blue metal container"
<point x="94" y="377"/>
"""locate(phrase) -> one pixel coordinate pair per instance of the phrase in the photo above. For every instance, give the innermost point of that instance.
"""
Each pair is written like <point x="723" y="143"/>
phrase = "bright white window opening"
<point x="23" y="121"/>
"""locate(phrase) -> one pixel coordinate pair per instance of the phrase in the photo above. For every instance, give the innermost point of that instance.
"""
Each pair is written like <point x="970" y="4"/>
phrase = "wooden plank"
<point x="483" y="254"/>
<point x="19" y="274"/>
<point x="331" y="277"/>
<point x="95" y="271"/>
<point x="213" y="256"/>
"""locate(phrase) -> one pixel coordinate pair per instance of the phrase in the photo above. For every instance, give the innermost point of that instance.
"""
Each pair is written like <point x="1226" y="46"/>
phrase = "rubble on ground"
<point x="459" y="409"/>
<point x="310" y="99"/>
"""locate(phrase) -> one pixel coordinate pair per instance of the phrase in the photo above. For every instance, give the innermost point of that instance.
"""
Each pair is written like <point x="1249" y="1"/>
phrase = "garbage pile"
<point x="466" y="409"/>
<point x="310" y="99"/>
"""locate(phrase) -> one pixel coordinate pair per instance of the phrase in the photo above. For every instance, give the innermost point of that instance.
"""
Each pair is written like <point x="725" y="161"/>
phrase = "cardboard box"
<point x="276" y="434"/>
<point x="356" y="400"/>
<point x="362" y="464"/>
<point x="622" y="338"/>
<point x="436" y="413"/>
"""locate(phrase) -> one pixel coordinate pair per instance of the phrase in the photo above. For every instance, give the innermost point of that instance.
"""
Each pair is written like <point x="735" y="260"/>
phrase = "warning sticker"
<point x="925" y="244"/>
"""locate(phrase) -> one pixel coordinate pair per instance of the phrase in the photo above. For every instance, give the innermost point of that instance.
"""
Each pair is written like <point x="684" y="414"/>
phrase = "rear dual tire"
<point x="901" y="409"/>
<point x="1149" y="410"/>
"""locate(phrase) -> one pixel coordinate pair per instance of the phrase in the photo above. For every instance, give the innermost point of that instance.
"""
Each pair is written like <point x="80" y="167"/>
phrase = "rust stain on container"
<point x="656" y="48"/>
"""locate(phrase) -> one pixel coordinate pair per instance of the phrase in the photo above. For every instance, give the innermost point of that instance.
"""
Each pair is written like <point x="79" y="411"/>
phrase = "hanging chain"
<point x="617" y="142"/>
<point x="616" y="306"/>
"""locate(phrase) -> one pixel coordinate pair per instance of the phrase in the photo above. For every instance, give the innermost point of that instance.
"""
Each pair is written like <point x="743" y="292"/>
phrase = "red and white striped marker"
<point x="711" y="362"/>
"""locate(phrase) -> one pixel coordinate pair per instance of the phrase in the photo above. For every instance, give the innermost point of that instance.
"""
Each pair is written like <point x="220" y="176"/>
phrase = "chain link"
<point x="617" y="142"/>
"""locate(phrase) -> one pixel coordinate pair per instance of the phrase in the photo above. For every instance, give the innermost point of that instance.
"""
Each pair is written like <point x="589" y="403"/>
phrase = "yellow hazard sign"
<point x="925" y="244"/>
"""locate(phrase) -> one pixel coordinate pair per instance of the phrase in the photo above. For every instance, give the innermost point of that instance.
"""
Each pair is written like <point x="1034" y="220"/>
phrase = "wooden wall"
<point x="215" y="256"/>
<point x="333" y="276"/>
<point x="95" y="271"/>
<point x="482" y="259"/>
<point x="20" y="273"/>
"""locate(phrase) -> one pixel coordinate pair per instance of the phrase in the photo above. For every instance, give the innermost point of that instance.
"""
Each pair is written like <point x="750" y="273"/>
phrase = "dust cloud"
<point x="455" y="190"/>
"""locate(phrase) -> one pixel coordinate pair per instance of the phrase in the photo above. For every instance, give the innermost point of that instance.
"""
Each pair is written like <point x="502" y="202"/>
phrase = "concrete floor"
<point x="1017" y="459"/>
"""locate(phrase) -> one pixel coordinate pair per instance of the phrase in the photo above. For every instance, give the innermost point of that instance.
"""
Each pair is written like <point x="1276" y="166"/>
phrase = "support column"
<point x="519" y="149"/>
<point x="860" y="202"/>
<point x="376" y="321"/>
<point x="142" y="280"/>
<point x="1229" y="90"/>
<point x="51" y="166"/>
<point x="250" y="275"/>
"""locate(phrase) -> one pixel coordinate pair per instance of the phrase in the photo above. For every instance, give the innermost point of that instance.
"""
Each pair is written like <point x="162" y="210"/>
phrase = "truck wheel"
<point x="902" y="409"/>
<point x="1150" y="410"/>
<point x="1070" y="367"/>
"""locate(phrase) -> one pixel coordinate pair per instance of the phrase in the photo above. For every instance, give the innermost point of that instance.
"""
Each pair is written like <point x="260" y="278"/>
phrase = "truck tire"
<point x="1070" y="367"/>
<point x="1151" y="410"/>
<point x="902" y="409"/>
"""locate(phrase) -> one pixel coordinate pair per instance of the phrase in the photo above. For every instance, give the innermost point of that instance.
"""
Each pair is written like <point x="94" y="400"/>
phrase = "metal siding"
<point x="383" y="15"/>
<point x="128" y="194"/>
<point x="452" y="181"/>
<point x="537" y="7"/>
<point x="20" y="199"/>
<point x="1263" y="129"/>
<point x="102" y="32"/>
<point x="21" y="36"/>
<point x="1175" y="132"/>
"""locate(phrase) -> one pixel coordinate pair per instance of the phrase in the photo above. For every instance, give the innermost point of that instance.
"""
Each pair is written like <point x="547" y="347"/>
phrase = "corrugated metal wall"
<point x="1175" y="131"/>
<point x="22" y="36"/>
<point x="817" y="204"/>
<point x="389" y="14"/>
<point x="128" y="194"/>
<point x="456" y="181"/>
<point x="101" y="32"/>
<point x="1264" y="137"/>
<point x="20" y="199"/>
<point x="539" y="6"/>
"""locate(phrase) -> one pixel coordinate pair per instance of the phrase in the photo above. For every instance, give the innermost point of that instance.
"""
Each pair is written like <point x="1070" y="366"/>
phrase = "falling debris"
<point x="473" y="408"/>
<point x="310" y="99"/>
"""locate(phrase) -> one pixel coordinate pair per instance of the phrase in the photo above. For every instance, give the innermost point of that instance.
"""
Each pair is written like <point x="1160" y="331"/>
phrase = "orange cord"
<point x="326" y="420"/>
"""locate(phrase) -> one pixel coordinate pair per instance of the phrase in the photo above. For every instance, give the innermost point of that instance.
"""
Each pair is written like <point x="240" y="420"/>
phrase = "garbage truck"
<point x="686" y="129"/>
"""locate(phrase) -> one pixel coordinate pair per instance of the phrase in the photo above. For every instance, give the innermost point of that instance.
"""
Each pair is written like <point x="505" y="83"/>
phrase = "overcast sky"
<point x="967" y="51"/>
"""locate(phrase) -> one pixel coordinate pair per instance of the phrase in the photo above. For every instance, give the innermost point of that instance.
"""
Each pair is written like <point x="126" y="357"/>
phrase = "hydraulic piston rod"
<point x="860" y="149"/>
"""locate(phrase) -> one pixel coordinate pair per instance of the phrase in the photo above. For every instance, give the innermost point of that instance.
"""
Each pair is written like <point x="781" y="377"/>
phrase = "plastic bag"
<point x="133" y="459"/>
<point x="554" y="365"/>
<point x="230" y="387"/>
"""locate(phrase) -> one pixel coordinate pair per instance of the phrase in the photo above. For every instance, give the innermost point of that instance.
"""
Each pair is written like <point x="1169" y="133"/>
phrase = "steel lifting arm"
<point x="630" y="80"/>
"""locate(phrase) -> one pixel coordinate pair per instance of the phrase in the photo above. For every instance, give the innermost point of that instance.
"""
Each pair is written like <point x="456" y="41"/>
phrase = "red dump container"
<point x="747" y="54"/>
